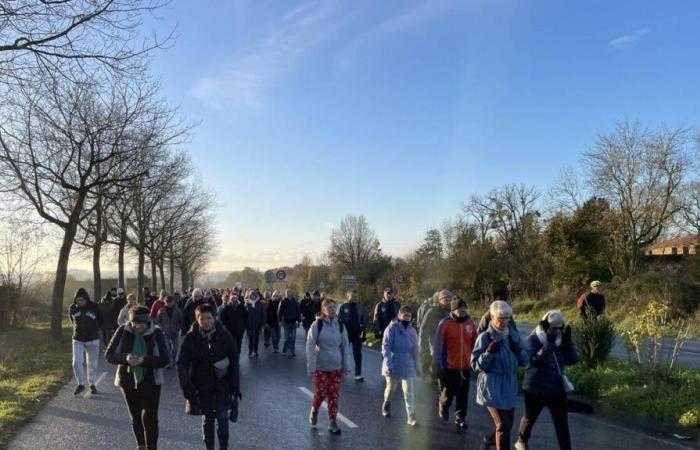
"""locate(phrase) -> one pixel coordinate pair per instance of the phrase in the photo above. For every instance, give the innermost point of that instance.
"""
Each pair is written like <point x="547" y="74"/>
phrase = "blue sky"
<point x="400" y="110"/>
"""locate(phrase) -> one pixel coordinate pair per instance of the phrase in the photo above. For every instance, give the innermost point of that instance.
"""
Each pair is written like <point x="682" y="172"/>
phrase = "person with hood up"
<point x="289" y="315"/>
<point x="273" y="321"/>
<point x="87" y="320"/>
<point x="545" y="385"/>
<point x="310" y="308"/>
<point x="255" y="320"/>
<point x="327" y="359"/>
<point x="233" y="316"/>
<point x="170" y="320"/>
<point x="400" y="362"/>
<point x="139" y="350"/>
<point x="209" y="375"/>
<point x="109" y="312"/>
<point x="496" y="357"/>
<point x="452" y="351"/>
<point x="426" y="334"/>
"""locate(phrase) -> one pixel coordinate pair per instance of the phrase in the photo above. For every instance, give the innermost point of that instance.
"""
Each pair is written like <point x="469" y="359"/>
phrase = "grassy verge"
<point x="32" y="368"/>
<point x="618" y="386"/>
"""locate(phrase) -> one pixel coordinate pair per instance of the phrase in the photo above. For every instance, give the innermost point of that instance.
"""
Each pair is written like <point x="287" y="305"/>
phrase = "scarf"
<point x="139" y="349"/>
<point x="498" y="335"/>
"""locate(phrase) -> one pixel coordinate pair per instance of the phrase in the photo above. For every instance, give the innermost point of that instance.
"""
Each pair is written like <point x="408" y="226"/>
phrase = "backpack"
<point x="581" y="300"/>
<point x="319" y="327"/>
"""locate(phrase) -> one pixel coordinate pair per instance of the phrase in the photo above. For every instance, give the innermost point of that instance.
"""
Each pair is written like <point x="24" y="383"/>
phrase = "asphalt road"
<point x="274" y="412"/>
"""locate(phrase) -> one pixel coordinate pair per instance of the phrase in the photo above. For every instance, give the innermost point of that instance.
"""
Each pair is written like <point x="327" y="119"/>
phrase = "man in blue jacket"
<point x="352" y="315"/>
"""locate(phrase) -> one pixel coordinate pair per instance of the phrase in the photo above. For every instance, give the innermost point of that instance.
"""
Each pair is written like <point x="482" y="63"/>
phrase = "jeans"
<point x="357" y="355"/>
<point x="290" y="337"/>
<point x="107" y="332"/>
<point x="80" y="349"/>
<point x="275" y="336"/>
<point x="266" y="336"/>
<point x="172" y="342"/>
<point x="406" y="386"/>
<point x="534" y="404"/>
<point x="454" y="384"/>
<point x="221" y="419"/>
<point x="143" y="411"/>
<point x="503" y="422"/>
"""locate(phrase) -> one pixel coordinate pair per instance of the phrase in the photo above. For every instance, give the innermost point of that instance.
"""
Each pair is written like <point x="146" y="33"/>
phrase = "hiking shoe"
<point x="520" y="445"/>
<point x="333" y="427"/>
<point x="459" y="421"/>
<point x="313" y="417"/>
<point x="79" y="389"/>
<point x="93" y="389"/>
<point x="359" y="378"/>
<point x="412" y="420"/>
<point x="386" y="409"/>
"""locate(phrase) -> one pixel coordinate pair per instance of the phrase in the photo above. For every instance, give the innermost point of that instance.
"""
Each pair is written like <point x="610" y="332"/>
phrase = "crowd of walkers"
<point x="201" y="333"/>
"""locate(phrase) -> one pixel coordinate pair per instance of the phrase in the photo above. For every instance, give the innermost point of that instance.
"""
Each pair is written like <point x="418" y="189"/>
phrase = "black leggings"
<point x="143" y="410"/>
<point x="557" y="404"/>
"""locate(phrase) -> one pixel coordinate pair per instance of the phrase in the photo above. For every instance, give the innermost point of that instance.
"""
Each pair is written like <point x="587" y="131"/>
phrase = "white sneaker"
<point x="412" y="420"/>
<point x="520" y="445"/>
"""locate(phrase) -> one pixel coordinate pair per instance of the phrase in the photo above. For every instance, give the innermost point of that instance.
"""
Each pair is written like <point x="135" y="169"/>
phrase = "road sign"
<point x="400" y="278"/>
<point x="269" y="277"/>
<point x="281" y="274"/>
<point x="349" y="281"/>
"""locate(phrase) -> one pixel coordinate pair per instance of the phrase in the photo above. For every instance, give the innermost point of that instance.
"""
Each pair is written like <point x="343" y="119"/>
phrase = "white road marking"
<point x="345" y="420"/>
<point x="97" y="382"/>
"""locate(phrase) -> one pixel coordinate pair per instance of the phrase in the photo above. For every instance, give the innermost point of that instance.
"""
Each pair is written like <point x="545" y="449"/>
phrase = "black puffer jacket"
<point x="156" y="354"/>
<point x="206" y="390"/>
<point x="233" y="317"/>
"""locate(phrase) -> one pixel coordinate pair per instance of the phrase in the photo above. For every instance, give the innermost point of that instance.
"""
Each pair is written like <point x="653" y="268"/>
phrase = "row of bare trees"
<point x="88" y="145"/>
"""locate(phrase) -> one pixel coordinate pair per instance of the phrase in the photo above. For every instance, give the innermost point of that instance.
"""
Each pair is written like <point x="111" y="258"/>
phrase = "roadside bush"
<point x="594" y="338"/>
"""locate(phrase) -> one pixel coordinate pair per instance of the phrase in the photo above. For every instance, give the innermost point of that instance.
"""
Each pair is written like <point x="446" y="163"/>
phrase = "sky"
<point x="400" y="110"/>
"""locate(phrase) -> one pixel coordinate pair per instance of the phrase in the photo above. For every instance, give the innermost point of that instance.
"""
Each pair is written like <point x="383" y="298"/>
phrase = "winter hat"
<point x="445" y="294"/>
<point x="82" y="293"/>
<point x="595" y="283"/>
<point x="457" y="303"/>
<point x="554" y="318"/>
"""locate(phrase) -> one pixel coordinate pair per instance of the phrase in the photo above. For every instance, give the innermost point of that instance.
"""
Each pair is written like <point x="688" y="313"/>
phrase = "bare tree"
<point x="73" y="37"/>
<point x="66" y="141"/>
<point x="639" y="172"/>
<point x="567" y="192"/>
<point x="353" y="244"/>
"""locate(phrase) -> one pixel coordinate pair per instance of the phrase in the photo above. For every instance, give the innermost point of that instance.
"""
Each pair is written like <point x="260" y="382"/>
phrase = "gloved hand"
<point x="514" y="347"/>
<point x="493" y="347"/>
<point x="567" y="334"/>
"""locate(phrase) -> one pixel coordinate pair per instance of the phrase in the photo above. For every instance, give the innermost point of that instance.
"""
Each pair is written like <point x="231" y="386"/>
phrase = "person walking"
<point x="496" y="357"/>
<point x="309" y="310"/>
<point x="255" y="320"/>
<point x="384" y="312"/>
<point x="289" y="315"/>
<point x="352" y="315"/>
<point x="109" y="312"/>
<point x="544" y="384"/>
<point x="233" y="317"/>
<point x="400" y="362"/>
<point x="593" y="303"/>
<point x="209" y="375"/>
<point x="452" y="350"/>
<point x="273" y="320"/>
<point x="123" y="317"/>
<point x="139" y="351"/>
<point x="327" y="359"/>
<point x="426" y="334"/>
<point x="158" y="304"/>
<point x="86" y="318"/>
<point x="170" y="320"/>
<point x="196" y="299"/>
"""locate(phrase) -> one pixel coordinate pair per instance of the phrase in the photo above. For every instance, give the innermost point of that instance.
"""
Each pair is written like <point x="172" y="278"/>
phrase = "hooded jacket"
<point x="87" y="320"/>
<point x="206" y="388"/>
<point x="399" y="351"/>
<point x="330" y="350"/>
<point x="542" y="376"/>
<point x="453" y="343"/>
<point x="156" y="354"/>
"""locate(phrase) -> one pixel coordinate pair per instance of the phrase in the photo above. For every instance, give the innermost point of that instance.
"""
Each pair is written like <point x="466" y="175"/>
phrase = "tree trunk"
<point x="154" y="278"/>
<point x="162" y="275"/>
<point x="183" y="277"/>
<point x="172" y="271"/>
<point x="96" y="273"/>
<point x="139" y="276"/>
<point x="122" y="249"/>
<point x="59" y="284"/>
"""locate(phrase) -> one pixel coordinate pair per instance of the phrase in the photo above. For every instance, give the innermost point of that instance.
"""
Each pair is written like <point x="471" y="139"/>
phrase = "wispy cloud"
<point x="245" y="81"/>
<point x="418" y="14"/>
<point x="627" y="39"/>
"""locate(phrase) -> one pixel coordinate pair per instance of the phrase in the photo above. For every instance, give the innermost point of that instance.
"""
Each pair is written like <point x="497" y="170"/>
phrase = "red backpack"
<point x="580" y="300"/>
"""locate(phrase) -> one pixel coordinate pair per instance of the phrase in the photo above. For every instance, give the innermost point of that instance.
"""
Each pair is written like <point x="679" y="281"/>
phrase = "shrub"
<point x="594" y="338"/>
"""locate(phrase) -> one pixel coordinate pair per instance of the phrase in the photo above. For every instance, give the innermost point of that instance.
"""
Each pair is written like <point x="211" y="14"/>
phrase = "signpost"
<point x="269" y="277"/>
<point x="281" y="275"/>
<point x="400" y="278"/>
